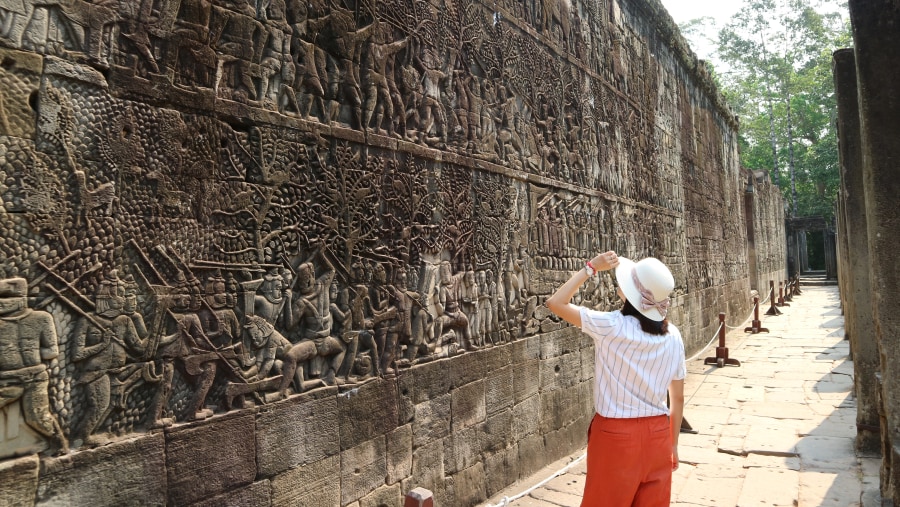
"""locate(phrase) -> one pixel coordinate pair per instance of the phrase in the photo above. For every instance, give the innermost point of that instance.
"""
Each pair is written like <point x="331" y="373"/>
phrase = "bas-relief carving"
<point x="191" y="263"/>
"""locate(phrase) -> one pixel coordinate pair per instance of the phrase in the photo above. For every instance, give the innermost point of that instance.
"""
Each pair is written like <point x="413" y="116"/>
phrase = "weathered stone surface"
<point x="367" y="411"/>
<point x="462" y="448"/>
<point x="469" y="486"/>
<point x="531" y="455"/>
<point x="19" y="481"/>
<point x="426" y="381"/>
<point x="428" y="466"/>
<point x="118" y="474"/>
<point x="500" y="470"/>
<point x="561" y="407"/>
<point x="498" y="431"/>
<point x="526" y="349"/>
<point x="313" y="484"/>
<point x="210" y="458"/>
<point x="383" y="496"/>
<point x="467" y="368"/>
<point x="399" y="454"/>
<point x="363" y="469"/>
<point x="467" y="405"/>
<point x="295" y="432"/>
<point x="526" y="379"/>
<point x="432" y="421"/>
<point x="258" y="494"/>
<point x="527" y="417"/>
<point x="498" y="390"/>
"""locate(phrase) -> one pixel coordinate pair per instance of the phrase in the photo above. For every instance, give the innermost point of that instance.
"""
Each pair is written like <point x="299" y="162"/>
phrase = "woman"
<point x="638" y="359"/>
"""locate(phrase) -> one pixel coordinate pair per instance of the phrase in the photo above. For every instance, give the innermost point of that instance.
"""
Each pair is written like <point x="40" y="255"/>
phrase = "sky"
<point x="685" y="10"/>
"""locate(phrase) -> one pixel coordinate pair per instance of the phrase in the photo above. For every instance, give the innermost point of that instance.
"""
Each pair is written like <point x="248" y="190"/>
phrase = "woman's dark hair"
<point x="649" y="326"/>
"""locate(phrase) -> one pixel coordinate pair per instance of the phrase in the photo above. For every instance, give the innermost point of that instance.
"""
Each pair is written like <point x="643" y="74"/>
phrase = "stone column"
<point x="877" y="44"/>
<point x="749" y="213"/>
<point x="829" y="243"/>
<point x="857" y="293"/>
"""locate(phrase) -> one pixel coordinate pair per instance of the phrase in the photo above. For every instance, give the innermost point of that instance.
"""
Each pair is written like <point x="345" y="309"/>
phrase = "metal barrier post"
<point x="756" y="325"/>
<point x="788" y="291"/>
<point x="773" y="310"/>
<point x="721" y="358"/>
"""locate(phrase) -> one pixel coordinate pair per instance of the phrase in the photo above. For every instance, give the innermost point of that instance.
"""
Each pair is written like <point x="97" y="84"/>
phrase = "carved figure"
<point x="196" y="354"/>
<point x="105" y="340"/>
<point x="311" y="319"/>
<point x="27" y="342"/>
<point x="452" y="325"/>
<point x="271" y="347"/>
<point x="374" y="75"/>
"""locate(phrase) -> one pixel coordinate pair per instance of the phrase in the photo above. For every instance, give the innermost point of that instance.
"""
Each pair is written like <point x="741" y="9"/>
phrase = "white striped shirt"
<point x="632" y="369"/>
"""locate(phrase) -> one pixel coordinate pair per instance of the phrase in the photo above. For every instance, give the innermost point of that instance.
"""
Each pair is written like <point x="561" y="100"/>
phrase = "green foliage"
<point x="775" y="71"/>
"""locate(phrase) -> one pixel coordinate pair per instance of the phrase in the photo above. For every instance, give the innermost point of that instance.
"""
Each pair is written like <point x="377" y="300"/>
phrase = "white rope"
<point x="745" y="320"/>
<point x="715" y="335"/>
<point x="505" y="501"/>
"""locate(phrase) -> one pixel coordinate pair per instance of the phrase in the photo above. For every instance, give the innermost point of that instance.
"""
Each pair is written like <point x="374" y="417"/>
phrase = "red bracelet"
<point x="589" y="269"/>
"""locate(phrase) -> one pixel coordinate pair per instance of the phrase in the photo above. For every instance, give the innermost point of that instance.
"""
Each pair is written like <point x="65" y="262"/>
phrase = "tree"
<point x="776" y="74"/>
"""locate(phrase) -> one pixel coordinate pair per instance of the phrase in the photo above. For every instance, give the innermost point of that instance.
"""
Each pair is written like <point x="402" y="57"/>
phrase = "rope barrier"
<point x="505" y="501"/>
<point x="715" y="335"/>
<point x="745" y="320"/>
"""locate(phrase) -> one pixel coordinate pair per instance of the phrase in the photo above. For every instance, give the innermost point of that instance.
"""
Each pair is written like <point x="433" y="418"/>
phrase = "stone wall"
<point x="280" y="253"/>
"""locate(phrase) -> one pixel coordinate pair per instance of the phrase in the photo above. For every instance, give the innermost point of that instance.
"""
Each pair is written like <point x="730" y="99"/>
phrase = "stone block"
<point x="462" y="449"/>
<point x="385" y="495"/>
<point x="114" y="474"/>
<point x="559" y="408"/>
<point x="525" y="349"/>
<point x="210" y="457"/>
<point x="428" y="466"/>
<point x="467" y="368"/>
<point x="258" y="494"/>
<point x="432" y="421"/>
<point x="399" y="454"/>
<point x="527" y="417"/>
<point x="498" y="390"/>
<point x="363" y="469"/>
<point x="560" y="372"/>
<point x="19" y="481"/>
<point x="501" y="470"/>
<point x="562" y="342"/>
<point x="367" y="411"/>
<point x="564" y="441"/>
<point x="498" y="431"/>
<point x="469" y="486"/>
<point x="316" y="484"/>
<point x="526" y="379"/>
<point x="588" y="362"/>
<point x="295" y="432"/>
<point x="531" y="455"/>
<point x="426" y="381"/>
<point x="467" y="405"/>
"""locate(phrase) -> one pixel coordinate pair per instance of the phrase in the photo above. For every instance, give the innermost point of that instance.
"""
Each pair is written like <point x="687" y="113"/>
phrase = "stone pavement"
<point x="776" y="431"/>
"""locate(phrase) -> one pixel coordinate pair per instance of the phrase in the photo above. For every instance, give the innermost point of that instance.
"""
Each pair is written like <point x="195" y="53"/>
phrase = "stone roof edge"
<point x="661" y="19"/>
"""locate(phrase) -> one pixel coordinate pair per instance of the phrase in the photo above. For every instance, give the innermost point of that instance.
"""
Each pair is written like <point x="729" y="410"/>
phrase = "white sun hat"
<point x="646" y="285"/>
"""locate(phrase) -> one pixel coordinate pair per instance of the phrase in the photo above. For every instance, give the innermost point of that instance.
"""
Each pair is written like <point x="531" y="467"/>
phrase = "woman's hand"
<point x="674" y="457"/>
<point x="605" y="261"/>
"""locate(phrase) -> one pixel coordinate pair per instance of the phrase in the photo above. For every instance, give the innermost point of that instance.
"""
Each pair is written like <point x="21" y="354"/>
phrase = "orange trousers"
<point x="629" y="462"/>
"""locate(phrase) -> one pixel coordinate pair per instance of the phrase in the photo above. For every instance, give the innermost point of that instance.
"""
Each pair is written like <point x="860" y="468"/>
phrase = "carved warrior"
<point x="27" y="343"/>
